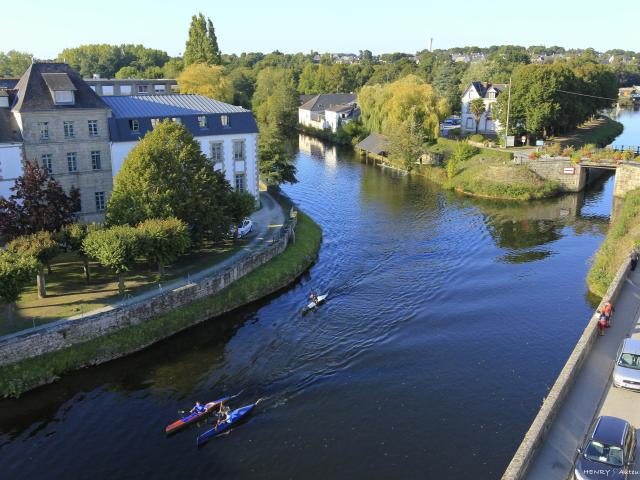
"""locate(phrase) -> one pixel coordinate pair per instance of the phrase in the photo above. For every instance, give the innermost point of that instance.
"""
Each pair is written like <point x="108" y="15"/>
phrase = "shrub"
<point x="464" y="151"/>
<point x="476" y="138"/>
<point x="568" y="152"/>
<point x="628" y="155"/>
<point x="554" y="149"/>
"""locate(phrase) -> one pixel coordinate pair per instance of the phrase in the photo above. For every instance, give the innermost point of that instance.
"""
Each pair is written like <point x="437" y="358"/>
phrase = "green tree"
<point x="43" y="247"/>
<point x="115" y="248"/>
<point x="241" y="205"/>
<point x="72" y="236"/>
<point x="202" y="45"/>
<point x="163" y="240"/>
<point x="477" y="109"/>
<point x="14" y="63"/>
<point x="207" y="80"/>
<point x="167" y="175"/>
<point x="274" y="159"/>
<point x="173" y="68"/>
<point x="408" y="141"/>
<point x="16" y="272"/>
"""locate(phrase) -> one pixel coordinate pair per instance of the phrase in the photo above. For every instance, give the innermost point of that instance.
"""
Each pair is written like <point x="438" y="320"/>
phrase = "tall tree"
<point x="477" y="109"/>
<point x="43" y="247"/>
<point x="167" y="175"/>
<point x="14" y="63"/>
<point x="241" y="205"/>
<point x="16" y="272"/>
<point x="38" y="202"/>
<point x="202" y="45"/>
<point x="207" y="80"/>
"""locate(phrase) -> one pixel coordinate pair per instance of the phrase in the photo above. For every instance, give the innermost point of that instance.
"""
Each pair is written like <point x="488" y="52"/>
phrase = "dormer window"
<point x="61" y="88"/>
<point x="224" y="119"/>
<point x="492" y="94"/>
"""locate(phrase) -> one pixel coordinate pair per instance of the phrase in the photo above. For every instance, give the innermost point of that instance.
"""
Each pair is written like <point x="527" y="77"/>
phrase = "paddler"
<point x="198" y="408"/>
<point x="313" y="297"/>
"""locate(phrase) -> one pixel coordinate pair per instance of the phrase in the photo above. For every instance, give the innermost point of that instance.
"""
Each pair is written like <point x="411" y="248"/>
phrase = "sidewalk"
<point x="555" y="459"/>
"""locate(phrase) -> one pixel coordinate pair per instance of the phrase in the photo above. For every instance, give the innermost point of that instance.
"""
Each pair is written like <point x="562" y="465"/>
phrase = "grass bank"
<point x="600" y="132"/>
<point x="490" y="174"/>
<point x="622" y="236"/>
<point x="270" y="277"/>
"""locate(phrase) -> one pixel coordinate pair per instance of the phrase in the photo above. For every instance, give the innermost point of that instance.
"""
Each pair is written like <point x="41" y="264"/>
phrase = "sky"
<point x="45" y="27"/>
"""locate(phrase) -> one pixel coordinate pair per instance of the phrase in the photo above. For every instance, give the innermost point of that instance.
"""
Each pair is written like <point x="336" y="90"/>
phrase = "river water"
<point x="448" y="320"/>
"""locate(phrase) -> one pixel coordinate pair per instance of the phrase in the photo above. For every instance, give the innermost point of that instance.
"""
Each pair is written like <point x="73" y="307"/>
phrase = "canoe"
<point x="321" y="298"/>
<point x="235" y="417"/>
<point x="192" y="417"/>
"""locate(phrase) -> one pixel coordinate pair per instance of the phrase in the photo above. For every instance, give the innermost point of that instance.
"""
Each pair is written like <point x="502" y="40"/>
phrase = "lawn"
<point x="601" y="132"/>
<point x="69" y="295"/>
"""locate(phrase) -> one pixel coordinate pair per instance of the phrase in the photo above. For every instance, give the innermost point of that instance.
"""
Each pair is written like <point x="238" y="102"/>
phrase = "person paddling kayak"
<point x="313" y="297"/>
<point x="198" y="408"/>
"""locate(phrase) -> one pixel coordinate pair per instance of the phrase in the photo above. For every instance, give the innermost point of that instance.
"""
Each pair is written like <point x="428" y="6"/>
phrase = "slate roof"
<point x="32" y="91"/>
<point x="145" y="106"/>
<point x="9" y="130"/>
<point x="374" y="143"/>
<point x="483" y="87"/>
<point x="327" y="100"/>
<point x="59" y="82"/>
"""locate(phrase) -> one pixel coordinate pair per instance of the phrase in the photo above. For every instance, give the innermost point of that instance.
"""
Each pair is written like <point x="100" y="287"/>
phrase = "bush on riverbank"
<point x="270" y="277"/>
<point x="622" y="236"/>
<point x="348" y="134"/>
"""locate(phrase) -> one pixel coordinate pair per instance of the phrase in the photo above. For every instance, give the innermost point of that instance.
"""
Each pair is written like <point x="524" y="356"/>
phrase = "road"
<point x="592" y="393"/>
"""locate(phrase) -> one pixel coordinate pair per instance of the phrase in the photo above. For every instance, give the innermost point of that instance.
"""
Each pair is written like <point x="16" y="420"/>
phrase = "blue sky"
<point x="45" y="27"/>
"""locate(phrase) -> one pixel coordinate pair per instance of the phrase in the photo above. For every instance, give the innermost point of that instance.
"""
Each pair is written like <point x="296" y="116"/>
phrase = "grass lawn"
<point x="489" y="173"/>
<point x="68" y="294"/>
<point x="600" y="132"/>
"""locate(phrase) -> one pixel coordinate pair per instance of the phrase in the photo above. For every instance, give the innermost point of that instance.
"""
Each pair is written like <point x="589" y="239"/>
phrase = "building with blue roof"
<point x="228" y="134"/>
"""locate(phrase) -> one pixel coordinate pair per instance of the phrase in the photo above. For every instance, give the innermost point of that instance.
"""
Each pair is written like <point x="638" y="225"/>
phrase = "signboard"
<point x="539" y="143"/>
<point x="569" y="170"/>
<point x="511" y="140"/>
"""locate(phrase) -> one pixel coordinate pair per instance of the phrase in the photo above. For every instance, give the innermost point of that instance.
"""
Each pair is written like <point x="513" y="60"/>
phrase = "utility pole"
<point x="506" y="131"/>
<point x="431" y="44"/>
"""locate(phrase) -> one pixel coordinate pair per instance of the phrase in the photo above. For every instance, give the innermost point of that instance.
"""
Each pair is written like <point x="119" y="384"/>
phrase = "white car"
<point x="244" y="229"/>
<point x="626" y="373"/>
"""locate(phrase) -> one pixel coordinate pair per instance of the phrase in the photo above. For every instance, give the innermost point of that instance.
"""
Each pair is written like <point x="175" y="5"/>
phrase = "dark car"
<point x="608" y="451"/>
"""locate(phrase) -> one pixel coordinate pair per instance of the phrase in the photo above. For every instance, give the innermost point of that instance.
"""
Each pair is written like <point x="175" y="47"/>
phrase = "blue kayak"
<point x="234" y="417"/>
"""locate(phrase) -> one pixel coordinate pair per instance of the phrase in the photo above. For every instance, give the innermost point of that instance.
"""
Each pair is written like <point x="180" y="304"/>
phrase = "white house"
<point x="10" y="147"/>
<point x="228" y="134"/>
<point x="328" y="111"/>
<point x="489" y="93"/>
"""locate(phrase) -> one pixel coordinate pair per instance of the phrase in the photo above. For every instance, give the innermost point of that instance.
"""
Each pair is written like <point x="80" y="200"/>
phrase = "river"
<point x="448" y="321"/>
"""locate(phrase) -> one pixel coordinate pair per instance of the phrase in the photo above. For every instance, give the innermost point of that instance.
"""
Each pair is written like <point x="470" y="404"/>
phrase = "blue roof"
<point x="141" y="109"/>
<point x="141" y="106"/>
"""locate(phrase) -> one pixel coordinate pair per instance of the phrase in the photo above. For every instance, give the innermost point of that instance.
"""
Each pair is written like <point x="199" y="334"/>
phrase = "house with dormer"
<point x="489" y="92"/>
<point x="328" y="111"/>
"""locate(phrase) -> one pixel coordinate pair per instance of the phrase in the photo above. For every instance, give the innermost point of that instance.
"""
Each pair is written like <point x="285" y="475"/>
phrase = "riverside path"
<point x="592" y="393"/>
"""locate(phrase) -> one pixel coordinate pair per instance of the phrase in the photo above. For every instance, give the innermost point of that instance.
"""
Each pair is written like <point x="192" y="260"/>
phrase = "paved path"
<point x="266" y="223"/>
<point x="591" y="393"/>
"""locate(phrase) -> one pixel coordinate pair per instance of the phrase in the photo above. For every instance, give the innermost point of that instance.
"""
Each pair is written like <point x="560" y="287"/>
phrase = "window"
<point x="202" y="121"/>
<point x="143" y="89"/>
<point x="72" y="162"/>
<point x="96" y="160"/>
<point x="100" y="203"/>
<point x="68" y="130"/>
<point x="63" y="97"/>
<point x="492" y="95"/>
<point x="93" y="128"/>
<point x="216" y="152"/>
<point x="44" y="130"/>
<point x="125" y="89"/>
<point x="159" y="88"/>
<point x="155" y="122"/>
<point x="238" y="150"/>
<point x="224" y="119"/>
<point x="107" y="90"/>
<point x="240" y="184"/>
<point x="47" y="163"/>
<point x="177" y="120"/>
<point x="134" y="126"/>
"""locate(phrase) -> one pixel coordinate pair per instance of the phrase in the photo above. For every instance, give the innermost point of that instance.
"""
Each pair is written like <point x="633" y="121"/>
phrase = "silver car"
<point x="626" y="373"/>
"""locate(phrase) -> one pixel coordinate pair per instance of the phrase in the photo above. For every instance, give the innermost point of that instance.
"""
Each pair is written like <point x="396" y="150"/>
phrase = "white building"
<point x="489" y="93"/>
<point x="10" y="147"/>
<point x="228" y="135"/>
<point x="328" y="111"/>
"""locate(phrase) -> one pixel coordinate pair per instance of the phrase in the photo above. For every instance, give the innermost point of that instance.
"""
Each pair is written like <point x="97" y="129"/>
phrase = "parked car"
<point x="608" y="451"/>
<point x="244" y="229"/>
<point x="626" y="373"/>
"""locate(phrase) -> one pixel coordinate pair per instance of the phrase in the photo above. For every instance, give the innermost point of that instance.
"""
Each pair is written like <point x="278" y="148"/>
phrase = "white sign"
<point x="569" y="170"/>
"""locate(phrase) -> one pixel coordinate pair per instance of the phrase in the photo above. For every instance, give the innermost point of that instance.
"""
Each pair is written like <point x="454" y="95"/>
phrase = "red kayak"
<point x="193" y="417"/>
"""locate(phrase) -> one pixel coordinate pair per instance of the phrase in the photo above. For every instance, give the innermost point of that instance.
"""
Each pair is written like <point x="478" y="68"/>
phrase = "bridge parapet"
<point x="627" y="178"/>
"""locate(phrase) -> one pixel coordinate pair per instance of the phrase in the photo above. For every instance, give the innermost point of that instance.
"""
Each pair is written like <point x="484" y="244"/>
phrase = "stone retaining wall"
<point x="65" y="333"/>
<point x="538" y="430"/>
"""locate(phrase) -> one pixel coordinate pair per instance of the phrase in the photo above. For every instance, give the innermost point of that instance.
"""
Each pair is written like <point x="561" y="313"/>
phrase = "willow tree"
<point x="408" y="111"/>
